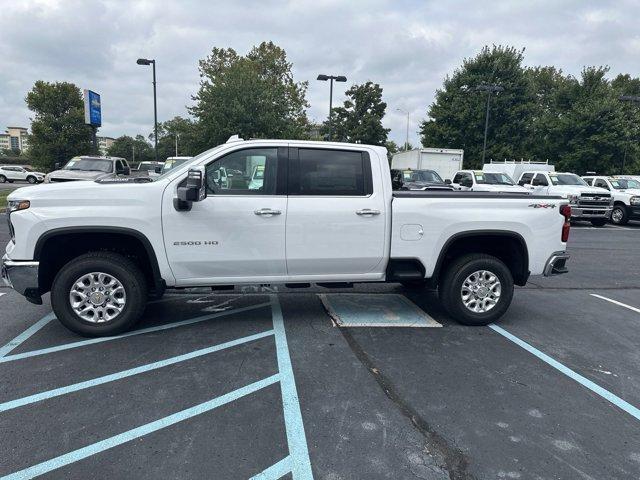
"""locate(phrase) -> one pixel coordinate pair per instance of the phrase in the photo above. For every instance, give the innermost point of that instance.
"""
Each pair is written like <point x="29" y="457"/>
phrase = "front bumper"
<point x="556" y="265"/>
<point x="22" y="276"/>
<point x="588" y="212"/>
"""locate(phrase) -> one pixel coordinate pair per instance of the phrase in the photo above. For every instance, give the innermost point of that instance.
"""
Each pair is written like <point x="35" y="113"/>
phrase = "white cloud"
<point x="406" y="46"/>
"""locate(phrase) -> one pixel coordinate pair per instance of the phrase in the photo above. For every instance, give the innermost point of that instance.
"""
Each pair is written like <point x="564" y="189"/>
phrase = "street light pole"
<point x="406" y="142"/>
<point x="631" y="99"/>
<point x="491" y="88"/>
<point x="177" y="135"/>
<point x="152" y="62"/>
<point x="331" y="78"/>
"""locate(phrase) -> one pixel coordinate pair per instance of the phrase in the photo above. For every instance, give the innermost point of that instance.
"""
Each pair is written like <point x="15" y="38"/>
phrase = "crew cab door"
<point x="237" y="233"/>
<point x="335" y="217"/>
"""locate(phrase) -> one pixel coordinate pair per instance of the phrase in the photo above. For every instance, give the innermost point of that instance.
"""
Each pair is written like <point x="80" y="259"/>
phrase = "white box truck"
<point x="445" y="161"/>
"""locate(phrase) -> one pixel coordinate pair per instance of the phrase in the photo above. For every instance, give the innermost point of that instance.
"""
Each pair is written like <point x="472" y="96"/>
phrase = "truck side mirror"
<point x="448" y="181"/>
<point x="56" y="166"/>
<point x="193" y="190"/>
<point x="126" y="170"/>
<point x="158" y="169"/>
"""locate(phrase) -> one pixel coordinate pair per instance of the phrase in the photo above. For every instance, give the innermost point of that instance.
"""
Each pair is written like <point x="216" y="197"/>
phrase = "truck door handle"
<point x="267" y="211"/>
<point x="367" y="211"/>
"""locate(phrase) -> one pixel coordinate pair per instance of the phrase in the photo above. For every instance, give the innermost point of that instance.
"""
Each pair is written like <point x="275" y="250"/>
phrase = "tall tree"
<point x="133" y="149"/>
<point x="253" y="96"/>
<point x="456" y="119"/>
<point x="359" y="120"/>
<point x="180" y="132"/>
<point x="58" y="131"/>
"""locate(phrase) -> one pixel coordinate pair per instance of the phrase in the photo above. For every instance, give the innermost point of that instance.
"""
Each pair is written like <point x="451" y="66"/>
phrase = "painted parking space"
<point x="294" y="459"/>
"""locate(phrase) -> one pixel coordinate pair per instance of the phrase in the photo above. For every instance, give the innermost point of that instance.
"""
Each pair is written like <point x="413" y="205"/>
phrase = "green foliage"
<point x="359" y="120"/>
<point x="184" y="130"/>
<point x="579" y="124"/>
<point x="58" y="131"/>
<point x="133" y="149"/>
<point x="254" y="96"/>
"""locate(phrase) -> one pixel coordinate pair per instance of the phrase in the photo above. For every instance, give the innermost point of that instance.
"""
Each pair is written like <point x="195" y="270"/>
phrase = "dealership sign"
<point x="92" y="108"/>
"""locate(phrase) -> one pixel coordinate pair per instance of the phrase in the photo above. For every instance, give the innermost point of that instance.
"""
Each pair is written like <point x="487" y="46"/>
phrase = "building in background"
<point x="15" y="138"/>
<point x="104" y="143"/>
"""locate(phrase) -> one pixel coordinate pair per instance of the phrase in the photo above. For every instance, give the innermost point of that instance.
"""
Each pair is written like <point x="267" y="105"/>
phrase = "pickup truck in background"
<point x="102" y="248"/>
<point x="148" y="169"/>
<point x="587" y="203"/>
<point x="408" y="179"/>
<point x="89" y="168"/>
<point x="480" y="181"/>
<point x="626" y="197"/>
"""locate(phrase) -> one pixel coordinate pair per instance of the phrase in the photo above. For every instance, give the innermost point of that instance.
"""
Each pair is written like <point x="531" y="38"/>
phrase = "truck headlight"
<point x="573" y="198"/>
<point x="635" y="201"/>
<point x="15" y="205"/>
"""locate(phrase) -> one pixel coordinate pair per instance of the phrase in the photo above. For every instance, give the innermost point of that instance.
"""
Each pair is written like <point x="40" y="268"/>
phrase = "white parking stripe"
<point x="1" y="294"/>
<point x="634" y="309"/>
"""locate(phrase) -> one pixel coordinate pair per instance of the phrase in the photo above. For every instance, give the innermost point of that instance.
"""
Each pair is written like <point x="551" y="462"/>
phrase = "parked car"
<point x="89" y="168"/>
<point x="326" y="213"/>
<point x="150" y="169"/>
<point x="15" y="173"/>
<point x="587" y="203"/>
<point x="479" y="181"/>
<point x="409" y="179"/>
<point x="626" y="197"/>
<point x="173" y="162"/>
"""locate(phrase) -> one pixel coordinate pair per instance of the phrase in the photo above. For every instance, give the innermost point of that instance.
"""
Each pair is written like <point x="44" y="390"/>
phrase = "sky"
<point x="408" y="47"/>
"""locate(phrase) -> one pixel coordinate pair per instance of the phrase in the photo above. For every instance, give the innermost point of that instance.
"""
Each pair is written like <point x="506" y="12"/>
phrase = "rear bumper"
<point x="556" y="265"/>
<point x="22" y="276"/>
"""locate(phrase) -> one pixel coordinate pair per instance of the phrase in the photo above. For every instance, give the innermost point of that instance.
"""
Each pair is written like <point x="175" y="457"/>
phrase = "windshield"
<point x="89" y="165"/>
<point x="493" y="179"/>
<point x="622" y="184"/>
<point x="421" y="176"/>
<point x="566" y="179"/>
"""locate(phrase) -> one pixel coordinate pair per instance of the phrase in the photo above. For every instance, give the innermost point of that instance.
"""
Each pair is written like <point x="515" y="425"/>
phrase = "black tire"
<point x="3" y="179"/>
<point x="621" y="215"/>
<point x="31" y="179"/>
<point x="599" y="222"/>
<point x="121" y="268"/>
<point x="452" y="282"/>
<point x="10" y="181"/>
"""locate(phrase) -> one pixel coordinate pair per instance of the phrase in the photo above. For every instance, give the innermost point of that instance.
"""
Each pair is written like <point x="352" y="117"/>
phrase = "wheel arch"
<point x="508" y="246"/>
<point x="59" y="245"/>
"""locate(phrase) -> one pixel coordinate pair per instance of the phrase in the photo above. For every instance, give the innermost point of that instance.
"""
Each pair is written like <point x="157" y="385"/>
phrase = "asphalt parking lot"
<point x="259" y="383"/>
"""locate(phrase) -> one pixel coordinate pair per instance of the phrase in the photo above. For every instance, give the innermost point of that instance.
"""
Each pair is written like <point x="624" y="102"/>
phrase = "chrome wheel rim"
<point x="97" y="297"/>
<point x="616" y="215"/>
<point x="481" y="291"/>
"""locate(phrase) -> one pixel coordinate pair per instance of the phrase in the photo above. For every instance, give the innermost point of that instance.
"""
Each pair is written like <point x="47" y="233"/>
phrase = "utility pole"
<point x="406" y="142"/>
<point x="490" y="88"/>
<point x="146" y="61"/>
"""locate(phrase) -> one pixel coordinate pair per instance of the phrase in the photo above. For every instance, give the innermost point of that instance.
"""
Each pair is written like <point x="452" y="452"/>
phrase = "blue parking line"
<point x="56" y="392"/>
<point x="298" y="451"/>
<point x="275" y="471"/>
<point x="26" y="334"/>
<point x="92" y="341"/>
<point x="138" y="432"/>
<point x="595" y="388"/>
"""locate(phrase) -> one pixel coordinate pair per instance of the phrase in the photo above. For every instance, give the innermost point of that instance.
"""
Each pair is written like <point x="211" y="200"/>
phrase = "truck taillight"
<point x="565" y="211"/>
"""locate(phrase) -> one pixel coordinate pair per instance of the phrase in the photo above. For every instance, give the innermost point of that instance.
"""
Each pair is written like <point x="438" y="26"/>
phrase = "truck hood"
<point x="576" y="190"/>
<point x="68" y="175"/>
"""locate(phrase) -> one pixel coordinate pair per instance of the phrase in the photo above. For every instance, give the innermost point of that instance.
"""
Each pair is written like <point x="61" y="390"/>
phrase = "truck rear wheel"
<point x="476" y="289"/>
<point x="99" y="294"/>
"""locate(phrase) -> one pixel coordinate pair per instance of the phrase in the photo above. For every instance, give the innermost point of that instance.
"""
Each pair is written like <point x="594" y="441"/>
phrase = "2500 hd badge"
<point x="195" y="243"/>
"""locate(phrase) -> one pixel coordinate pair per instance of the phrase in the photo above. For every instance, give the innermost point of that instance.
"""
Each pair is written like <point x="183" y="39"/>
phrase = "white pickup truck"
<point x="324" y="213"/>
<point x="480" y="181"/>
<point x="587" y="203"/>
<point x="626" y="197"/>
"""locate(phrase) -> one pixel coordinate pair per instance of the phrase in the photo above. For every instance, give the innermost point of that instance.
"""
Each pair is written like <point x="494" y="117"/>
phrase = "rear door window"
<point x="326" y="172"/>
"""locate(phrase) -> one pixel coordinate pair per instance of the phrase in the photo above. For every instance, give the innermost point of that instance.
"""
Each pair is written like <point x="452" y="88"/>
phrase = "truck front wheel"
<point x="476" y="289"/>
<point x="99" y="294"/>
<point x="619" y="215"/>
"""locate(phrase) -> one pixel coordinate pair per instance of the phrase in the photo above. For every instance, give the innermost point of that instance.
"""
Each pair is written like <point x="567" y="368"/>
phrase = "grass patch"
<point x="3" y="199"/>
